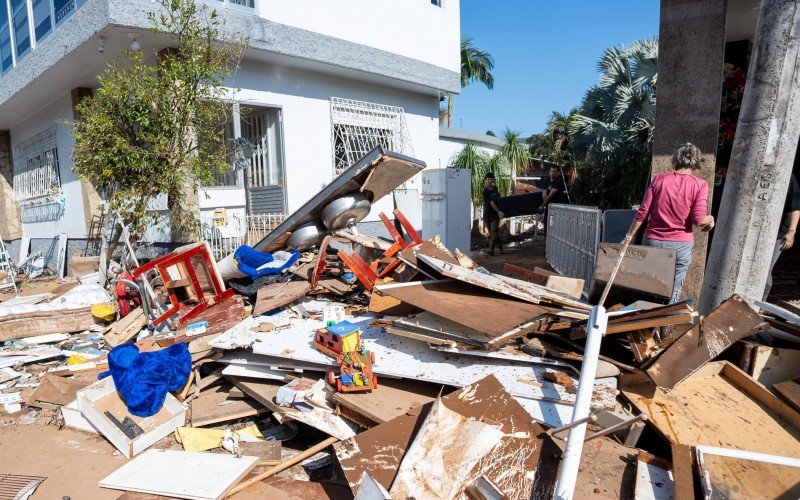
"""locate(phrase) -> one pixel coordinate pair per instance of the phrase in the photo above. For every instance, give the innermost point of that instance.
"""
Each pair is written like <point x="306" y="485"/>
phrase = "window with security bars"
<point x="36" y="167"/>
<point x="358" y="126"/>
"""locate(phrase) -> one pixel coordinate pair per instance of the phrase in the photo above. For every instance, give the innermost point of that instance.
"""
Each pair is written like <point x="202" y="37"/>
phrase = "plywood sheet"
<point x="180" y="474"/>
<point x="490" y="313"/>
<point x="718" y="406"/>
<point x="276" y="295"/>
<point x="379" y="451"/>
<point x="213" y="406"/>
<point x="731" y="321"/>
<point x="392" y="399"/>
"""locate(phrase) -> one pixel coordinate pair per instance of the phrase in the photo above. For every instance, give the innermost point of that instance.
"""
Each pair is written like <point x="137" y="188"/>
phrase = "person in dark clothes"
<point x="491" y="214"/>
<point x="554" y="189"/>
<point x="791" y="216"/>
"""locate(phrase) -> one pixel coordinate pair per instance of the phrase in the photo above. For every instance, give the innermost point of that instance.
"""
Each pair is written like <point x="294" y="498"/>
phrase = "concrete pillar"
<point x="10" y="222"/>
<point x="691" y="48"/>
<point x="91" y="199"/>
<point x="761" y="160"/>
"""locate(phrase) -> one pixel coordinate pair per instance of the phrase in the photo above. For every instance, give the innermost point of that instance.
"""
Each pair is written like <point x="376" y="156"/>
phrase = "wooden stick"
<point x="282" y="466"/>
<point x="614" y="272"/>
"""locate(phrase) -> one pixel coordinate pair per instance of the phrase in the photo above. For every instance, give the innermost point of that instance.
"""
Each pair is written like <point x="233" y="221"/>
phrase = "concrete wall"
<point x="412" y="28"/>
<point x="48" y="220"/>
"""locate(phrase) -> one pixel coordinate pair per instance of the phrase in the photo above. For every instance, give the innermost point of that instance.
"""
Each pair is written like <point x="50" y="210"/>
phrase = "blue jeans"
<point x="683" y="257"/>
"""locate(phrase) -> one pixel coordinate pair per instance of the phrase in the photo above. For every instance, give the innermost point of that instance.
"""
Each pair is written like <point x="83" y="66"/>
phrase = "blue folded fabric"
<point x="144" y="378"/>
<point x="257" y="264"/>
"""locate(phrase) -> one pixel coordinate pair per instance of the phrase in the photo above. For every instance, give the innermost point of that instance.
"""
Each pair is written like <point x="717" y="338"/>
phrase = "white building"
<point x="320" y="76"/>
<point x="452" y="141"/>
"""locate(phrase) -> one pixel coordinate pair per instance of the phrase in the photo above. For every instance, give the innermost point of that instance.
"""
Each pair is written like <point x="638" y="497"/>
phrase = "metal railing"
<point x="573" y="237"/>
<point x="240" y="230"/>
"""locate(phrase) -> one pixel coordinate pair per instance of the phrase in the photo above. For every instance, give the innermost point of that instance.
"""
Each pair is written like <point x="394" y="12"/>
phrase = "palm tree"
<point x="515" y="151"/>
<point x="614" y="129"/>
<point x="476" y="66"/>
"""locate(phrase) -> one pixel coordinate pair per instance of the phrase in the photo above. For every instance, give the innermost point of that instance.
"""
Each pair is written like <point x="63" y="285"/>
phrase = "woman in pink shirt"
<point x="673" y="203"/>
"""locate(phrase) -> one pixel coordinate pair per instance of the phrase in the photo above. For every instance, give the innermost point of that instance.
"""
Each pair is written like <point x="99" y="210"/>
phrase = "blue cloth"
<point x="144" y="378"/>
<point x="257" y="264"/>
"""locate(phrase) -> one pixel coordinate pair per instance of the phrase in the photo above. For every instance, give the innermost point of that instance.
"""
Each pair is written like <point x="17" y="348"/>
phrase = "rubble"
<point x="402" y="368"/>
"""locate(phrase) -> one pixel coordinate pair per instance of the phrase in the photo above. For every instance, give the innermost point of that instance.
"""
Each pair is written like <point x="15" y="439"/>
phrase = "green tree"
<point x="157" y="129"/>
<point x="479" y="163"/>
<point x="476" y="66"/>
<point x="613" y="131"/>
<point x="515" y="151"/>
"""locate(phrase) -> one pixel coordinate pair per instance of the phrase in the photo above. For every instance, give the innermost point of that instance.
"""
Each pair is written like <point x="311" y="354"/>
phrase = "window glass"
<point x="21" y="31"/>
<point x="6" y="59"/>
<point x="41" y="19"/>
<point x="63" y="8"/>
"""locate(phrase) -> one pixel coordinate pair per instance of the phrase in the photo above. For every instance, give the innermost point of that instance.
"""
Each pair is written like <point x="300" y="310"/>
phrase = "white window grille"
<point x="358" y="126"/>
<point x="36" y="167"/>
<point x="238" y="231"/>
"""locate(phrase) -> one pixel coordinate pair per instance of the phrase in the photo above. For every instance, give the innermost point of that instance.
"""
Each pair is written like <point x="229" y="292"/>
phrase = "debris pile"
<point x="348" y="365"/>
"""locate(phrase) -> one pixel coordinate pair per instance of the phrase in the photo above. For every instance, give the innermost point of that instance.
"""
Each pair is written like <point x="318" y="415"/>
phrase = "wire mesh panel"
<point x="36" y="167"/>
<point x="573" y="237"/>
<point x="358" y="126"/>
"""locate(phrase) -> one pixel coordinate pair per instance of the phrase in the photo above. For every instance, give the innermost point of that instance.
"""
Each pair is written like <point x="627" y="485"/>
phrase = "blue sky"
<point x="545" y="55"/>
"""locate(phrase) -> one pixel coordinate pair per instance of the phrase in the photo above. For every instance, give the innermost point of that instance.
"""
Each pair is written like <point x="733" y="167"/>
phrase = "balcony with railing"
<point x="26" y="23"/>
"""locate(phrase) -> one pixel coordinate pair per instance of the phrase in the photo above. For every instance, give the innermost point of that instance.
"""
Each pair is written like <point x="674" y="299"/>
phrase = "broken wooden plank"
<point x="790" y="392"/>
<point x="511" y="287"/>
<point x="490" y="313"/>
<point x="277" y="295"/>
<point x="126" y="328"/>
<point x="640" y="324"/>
<point x="719" y="404"/>
<point x="213" y="407"/>
<point x="392" y="399"/>
<point x="683" y="471"/>
<point x="734" y="319"/>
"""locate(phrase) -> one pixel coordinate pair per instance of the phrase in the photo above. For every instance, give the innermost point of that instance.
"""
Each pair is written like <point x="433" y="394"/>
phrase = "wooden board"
<point x="379" y="451"/>
<point x="16" y="326"/>
<point x="277" y="295"/>
<point x="55" y="391"/>
<point x="264" y="392"/>
<point x="511" y="287"/>
<point x="180" y="474"/>
<point x="491" y="313"/>
<point x="607" y="470"/>
<point x="214" y="406"/>
<point x="126" y="328"/>
<point x="747" y="476"/>
<point x="790" y="392"/>
<point x="731" y="321"/>
<point x="719" y="405"/>
<point x="392" y="399"/>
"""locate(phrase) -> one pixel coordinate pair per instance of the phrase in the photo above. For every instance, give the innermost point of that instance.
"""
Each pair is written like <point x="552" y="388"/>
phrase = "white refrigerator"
<point x="447" y="207"/>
